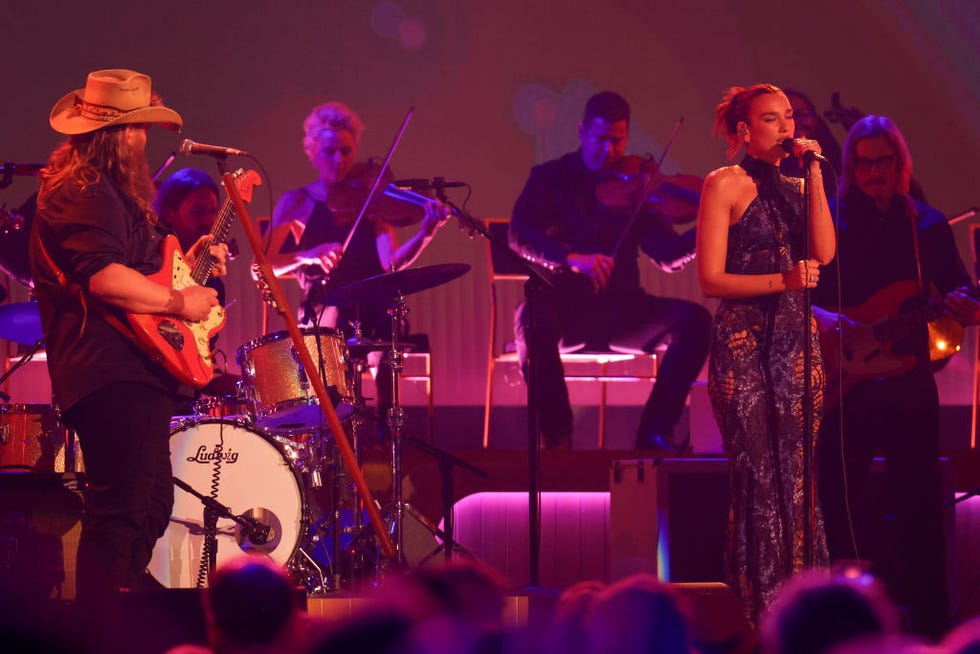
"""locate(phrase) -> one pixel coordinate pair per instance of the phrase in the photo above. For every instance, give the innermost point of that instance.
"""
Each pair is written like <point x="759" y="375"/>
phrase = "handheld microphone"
<point x="808" y="156"/>
<point x="189" y="147"/>
<point x="435" y="183"/>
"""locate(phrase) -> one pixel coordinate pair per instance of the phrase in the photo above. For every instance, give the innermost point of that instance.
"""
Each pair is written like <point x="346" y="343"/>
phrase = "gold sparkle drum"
<point x="279" y="393"/>
<point x="243" y="469"/>
<point x="32" y="437"/>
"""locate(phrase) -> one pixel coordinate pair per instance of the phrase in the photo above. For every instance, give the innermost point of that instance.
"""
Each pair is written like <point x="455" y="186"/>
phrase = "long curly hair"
<point x="83" y="159"/>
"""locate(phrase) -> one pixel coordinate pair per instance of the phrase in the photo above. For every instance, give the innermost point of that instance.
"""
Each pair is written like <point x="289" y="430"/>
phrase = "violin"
<point x="637" y="181"/>
<point x="346" y="198"/>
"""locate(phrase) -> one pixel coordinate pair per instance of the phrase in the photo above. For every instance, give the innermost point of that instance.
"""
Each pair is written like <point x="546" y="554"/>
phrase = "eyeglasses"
<point x="883" y="164"/>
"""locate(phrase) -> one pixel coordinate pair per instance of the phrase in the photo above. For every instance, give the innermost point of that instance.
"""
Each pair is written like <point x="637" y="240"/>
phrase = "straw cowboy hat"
<point x="110" y="97"/>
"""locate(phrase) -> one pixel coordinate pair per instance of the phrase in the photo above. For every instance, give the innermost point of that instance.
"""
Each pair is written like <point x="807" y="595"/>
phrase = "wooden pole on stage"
<point x="281" y="306"/>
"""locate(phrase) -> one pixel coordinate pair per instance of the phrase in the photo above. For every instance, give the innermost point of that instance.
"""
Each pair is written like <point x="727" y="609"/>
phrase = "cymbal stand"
<point x="358" y="365"/>
<point x="396" y="421"/>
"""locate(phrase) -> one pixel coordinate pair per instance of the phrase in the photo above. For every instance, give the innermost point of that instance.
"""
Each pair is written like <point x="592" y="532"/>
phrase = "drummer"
<point x="311" y="224"/>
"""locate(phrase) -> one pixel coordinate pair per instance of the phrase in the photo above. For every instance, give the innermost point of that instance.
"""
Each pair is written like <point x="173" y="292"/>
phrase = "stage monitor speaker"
<point x="40" y="522"/>
<point x="668" y="517"/>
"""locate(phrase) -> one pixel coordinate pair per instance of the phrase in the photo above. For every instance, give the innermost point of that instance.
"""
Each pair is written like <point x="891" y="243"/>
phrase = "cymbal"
<point x="20" y="322"/>
<point x="382" y="289"/>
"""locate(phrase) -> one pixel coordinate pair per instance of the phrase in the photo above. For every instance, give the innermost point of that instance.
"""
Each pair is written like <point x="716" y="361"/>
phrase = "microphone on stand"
<point x="435" y="183"/>
<point x="189" y="147"/>
<point x="808" y="156"/>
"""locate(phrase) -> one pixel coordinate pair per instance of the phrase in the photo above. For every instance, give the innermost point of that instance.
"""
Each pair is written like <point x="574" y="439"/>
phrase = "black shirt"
<point x="84" y="229"/>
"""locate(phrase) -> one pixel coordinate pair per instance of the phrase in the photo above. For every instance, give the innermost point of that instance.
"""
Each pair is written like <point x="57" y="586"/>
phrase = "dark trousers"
<point x="629" y="321"/>
<point x="910" y="552"/>
<point x="124" y="434"/>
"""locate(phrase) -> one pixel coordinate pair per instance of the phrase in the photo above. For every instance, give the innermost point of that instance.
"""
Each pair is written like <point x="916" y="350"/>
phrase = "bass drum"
<point x="246" y="471"/>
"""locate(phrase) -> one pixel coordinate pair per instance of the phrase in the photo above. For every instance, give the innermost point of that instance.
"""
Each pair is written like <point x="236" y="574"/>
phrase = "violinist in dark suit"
<point x="597" y="301"/>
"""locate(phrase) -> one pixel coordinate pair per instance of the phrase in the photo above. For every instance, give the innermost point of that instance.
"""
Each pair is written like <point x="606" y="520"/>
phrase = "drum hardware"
<point x="33" y="438"/>
<point x="389" y="289"/>
<point x="255" y="531"/>
<point x="8" y="330"/>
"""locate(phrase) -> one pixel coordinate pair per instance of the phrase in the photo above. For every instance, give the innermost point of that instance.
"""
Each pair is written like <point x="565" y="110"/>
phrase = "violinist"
<point x="311" y="224"/>
<point x="597" y="301"/>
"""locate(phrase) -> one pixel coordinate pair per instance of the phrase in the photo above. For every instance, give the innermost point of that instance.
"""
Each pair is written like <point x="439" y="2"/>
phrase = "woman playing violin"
<point x="311" y="224"/>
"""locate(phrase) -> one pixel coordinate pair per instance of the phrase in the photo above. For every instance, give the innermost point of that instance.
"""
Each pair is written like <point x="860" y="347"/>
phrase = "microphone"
<point x="427" y="184"/>
<point x="808" y="156"/>
<point x="189" y="147"/>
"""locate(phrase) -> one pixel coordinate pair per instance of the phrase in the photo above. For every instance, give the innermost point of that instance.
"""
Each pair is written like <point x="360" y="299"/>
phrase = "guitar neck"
<point x="201" y="272"/>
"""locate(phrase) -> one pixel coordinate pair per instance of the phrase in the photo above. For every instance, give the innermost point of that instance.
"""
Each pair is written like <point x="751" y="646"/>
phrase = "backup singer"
<point x="889" y="241"/>
<point x="751" y="236"/>
<point x="597" y="301"/>
<point x="95" y="225"/>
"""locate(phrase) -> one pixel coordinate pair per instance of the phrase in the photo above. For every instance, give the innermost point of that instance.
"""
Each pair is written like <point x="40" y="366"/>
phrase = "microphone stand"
<point x="538" y="281"/>
<point x="809" y="509"/>
<point x="27" y="356"/>
<point x="446" y="463"/>
<point x="256" y="531"/>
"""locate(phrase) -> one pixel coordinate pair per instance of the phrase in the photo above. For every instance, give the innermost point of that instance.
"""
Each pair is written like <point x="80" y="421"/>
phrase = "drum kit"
<point x="253" y="459"/>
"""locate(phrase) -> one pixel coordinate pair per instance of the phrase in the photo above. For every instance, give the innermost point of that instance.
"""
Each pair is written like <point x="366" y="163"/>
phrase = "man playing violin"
<point x="597" y="301"/>
<point x="311" y="224"/>
<point x="892" y="249"/>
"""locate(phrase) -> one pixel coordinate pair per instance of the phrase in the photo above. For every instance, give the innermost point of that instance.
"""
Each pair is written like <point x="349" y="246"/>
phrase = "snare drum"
<point x="246" y="471"/>
<point x="278" y="391"/>
<point x="32" y="437"/>
<point x="220" y="406"/>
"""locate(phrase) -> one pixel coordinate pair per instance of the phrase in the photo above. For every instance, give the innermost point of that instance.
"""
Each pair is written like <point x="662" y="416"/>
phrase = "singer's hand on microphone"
<point x="806" y="150"/>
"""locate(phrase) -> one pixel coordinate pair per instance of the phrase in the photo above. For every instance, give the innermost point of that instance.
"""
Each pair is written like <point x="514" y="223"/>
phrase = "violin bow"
<point x="647" y="187"/>
<point x="377" y="179"/>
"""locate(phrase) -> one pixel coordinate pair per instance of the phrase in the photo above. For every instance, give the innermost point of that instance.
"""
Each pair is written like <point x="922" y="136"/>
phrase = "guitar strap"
<point x="76" y="289"/>
<point x="914" y="222"/>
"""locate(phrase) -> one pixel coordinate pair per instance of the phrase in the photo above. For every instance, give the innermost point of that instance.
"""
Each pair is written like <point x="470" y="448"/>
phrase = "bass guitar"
<point x="860" y="346"/>
<point x="181" y="346"/>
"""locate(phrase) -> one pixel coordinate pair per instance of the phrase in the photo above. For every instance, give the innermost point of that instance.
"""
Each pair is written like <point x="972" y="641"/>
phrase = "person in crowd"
<point x="637" y="614"/>
<point x="895" y="253"/>
<point x="94" y="240"/>
<point x="590" y="249"/>
<point x="821" y="609"/>
<point x="251" y="605"/>
<point x="751" y="253"/>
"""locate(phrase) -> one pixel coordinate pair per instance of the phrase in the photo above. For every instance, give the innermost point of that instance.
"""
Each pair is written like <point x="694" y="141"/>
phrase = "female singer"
<point x="750" y="253"/>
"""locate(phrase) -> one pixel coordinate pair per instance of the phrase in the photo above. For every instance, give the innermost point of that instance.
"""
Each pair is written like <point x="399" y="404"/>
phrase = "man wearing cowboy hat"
<point x="94" y="240"/>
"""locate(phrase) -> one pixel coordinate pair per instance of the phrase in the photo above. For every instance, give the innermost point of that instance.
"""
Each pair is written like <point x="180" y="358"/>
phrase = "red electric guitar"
<point x="181" y="346"/>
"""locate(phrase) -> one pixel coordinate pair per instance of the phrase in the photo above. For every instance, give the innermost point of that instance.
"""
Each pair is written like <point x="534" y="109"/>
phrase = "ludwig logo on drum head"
<point x="203" y="456"/>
